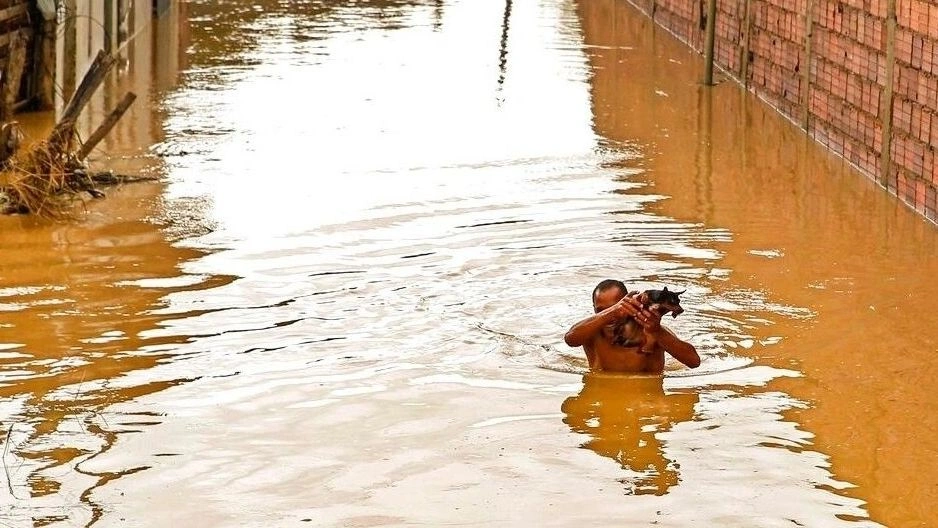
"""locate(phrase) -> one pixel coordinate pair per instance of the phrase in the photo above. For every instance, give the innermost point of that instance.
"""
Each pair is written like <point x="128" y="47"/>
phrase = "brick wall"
<point x="837" y="69"/>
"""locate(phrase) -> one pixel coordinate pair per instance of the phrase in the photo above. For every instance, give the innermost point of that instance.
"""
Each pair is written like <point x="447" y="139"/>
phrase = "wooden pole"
<point x="885" y="107"/>
<point x="89" y="85"/>
<point x="107" y="125"/>
<point x="10" y="140"/>
<point x="43" y="71"/>
<point x="708" y="48"/>
<point x="12" y="76"/>
<point x="69" y="50"/>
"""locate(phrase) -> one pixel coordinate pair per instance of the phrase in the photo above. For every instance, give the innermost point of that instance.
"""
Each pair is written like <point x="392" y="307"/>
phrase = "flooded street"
<point x="344" y="304"/>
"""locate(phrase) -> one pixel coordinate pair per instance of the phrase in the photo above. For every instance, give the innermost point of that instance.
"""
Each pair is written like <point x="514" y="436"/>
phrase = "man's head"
<point x="607" y="293"/>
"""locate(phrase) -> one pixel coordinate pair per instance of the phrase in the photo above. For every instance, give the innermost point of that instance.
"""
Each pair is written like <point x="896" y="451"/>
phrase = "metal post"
<point x="708" y="47"/>
<point x="885" y="157"/>
<point x="744" y="59"/>
<point x="806" y="65"/>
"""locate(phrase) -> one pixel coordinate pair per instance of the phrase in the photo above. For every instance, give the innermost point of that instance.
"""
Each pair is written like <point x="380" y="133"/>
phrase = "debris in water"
<point x="46" y="178"/>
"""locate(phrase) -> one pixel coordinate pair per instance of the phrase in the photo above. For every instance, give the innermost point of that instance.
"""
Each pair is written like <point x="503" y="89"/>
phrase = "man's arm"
<point x="583" y="332"/>
<point x="682" y="351"/>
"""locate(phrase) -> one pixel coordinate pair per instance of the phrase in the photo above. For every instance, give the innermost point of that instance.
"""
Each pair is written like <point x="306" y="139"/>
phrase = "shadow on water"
<point x="624" y="416"/>
<point x="79" y="296"/>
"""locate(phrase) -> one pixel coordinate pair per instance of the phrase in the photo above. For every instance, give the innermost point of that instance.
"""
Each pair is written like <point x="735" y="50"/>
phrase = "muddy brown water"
<point x="344" y="305"/>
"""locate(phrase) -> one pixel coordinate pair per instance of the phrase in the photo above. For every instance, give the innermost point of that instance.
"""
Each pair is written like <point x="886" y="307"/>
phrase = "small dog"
<point x="629" y="334"/>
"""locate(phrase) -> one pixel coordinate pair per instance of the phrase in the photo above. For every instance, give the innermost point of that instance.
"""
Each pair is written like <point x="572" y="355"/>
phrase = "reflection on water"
<point x="503" y="46"/>
<point x="806" y="231"/>
<point x="623" y="417"/>
<point x="366" y="249"/>
<point x="74" y="322"/>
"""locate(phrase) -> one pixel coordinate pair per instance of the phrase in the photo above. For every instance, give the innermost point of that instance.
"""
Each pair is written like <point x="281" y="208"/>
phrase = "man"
<point x="611" y="304"/>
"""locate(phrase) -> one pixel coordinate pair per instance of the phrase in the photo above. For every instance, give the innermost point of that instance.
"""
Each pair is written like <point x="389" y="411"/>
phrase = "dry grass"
<point x="48" y="177"/>
<point x="42" y="180"/>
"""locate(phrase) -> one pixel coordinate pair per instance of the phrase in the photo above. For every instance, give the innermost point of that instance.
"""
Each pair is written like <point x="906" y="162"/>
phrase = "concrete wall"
<point x="67" y="43"/>
<point x="859" y="81"/>
<point x="149" y="48"/>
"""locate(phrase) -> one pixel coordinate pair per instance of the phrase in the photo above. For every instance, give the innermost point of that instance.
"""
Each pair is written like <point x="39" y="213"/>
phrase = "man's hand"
<point x="649" y="319"/>
<point x="626" y="307"/>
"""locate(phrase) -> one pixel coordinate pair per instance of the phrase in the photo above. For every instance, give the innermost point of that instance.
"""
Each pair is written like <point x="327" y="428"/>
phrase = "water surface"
<point x="345" y="304"/>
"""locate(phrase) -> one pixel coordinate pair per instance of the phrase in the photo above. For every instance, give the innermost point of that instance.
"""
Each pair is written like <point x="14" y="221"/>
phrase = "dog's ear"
<point x="680" y="292"/>
<point x="665" y="288"/>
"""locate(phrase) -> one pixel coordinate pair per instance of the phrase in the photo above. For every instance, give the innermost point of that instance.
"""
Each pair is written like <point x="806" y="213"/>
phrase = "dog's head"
<point x="667" y="301"/>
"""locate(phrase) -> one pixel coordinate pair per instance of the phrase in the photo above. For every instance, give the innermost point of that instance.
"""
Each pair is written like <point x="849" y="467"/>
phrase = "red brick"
<point x="918" y="44"/>
<point x="917" y="157"/>
<point x="931" y="201"/>
<point x="925" y="128"/>
<point x="903" y="46"/>
<point x="891" y="178"/>
<point x="901" y="115"/>
<point x="929" y="163"/>
<point x="915" y="123"/>
<point x="933" y="21"/>
<point x="897" y="150"/>
<point x="904" y="12"/>
<point x="920" y="196"/>
<point x="919" y="18"/>
<point x="908" y="194"/>
<point x="901" y="184"/>
<point x="931" y="87"/>
<point x="928" y="52"/>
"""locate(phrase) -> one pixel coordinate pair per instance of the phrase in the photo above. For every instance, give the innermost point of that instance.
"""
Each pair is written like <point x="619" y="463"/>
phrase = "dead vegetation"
<point x="49" y="176"/>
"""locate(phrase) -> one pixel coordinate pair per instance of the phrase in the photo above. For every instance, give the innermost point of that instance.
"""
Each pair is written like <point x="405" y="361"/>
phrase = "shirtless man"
<point x="611" y="303"/>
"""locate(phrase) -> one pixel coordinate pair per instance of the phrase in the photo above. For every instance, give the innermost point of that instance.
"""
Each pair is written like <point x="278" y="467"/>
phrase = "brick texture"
<point x="823" y="64"/>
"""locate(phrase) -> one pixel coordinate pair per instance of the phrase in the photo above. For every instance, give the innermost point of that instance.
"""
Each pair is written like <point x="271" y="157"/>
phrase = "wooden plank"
<point x="107" y="125"/>
<point x="10" y="140"/>
<point x="90" y="83"/>
<point x="13" y="12"/>
<point x="12" y="76"/>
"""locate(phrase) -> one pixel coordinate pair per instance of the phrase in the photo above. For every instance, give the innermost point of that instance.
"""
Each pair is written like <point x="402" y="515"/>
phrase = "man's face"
<point x="606" y="298"/>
